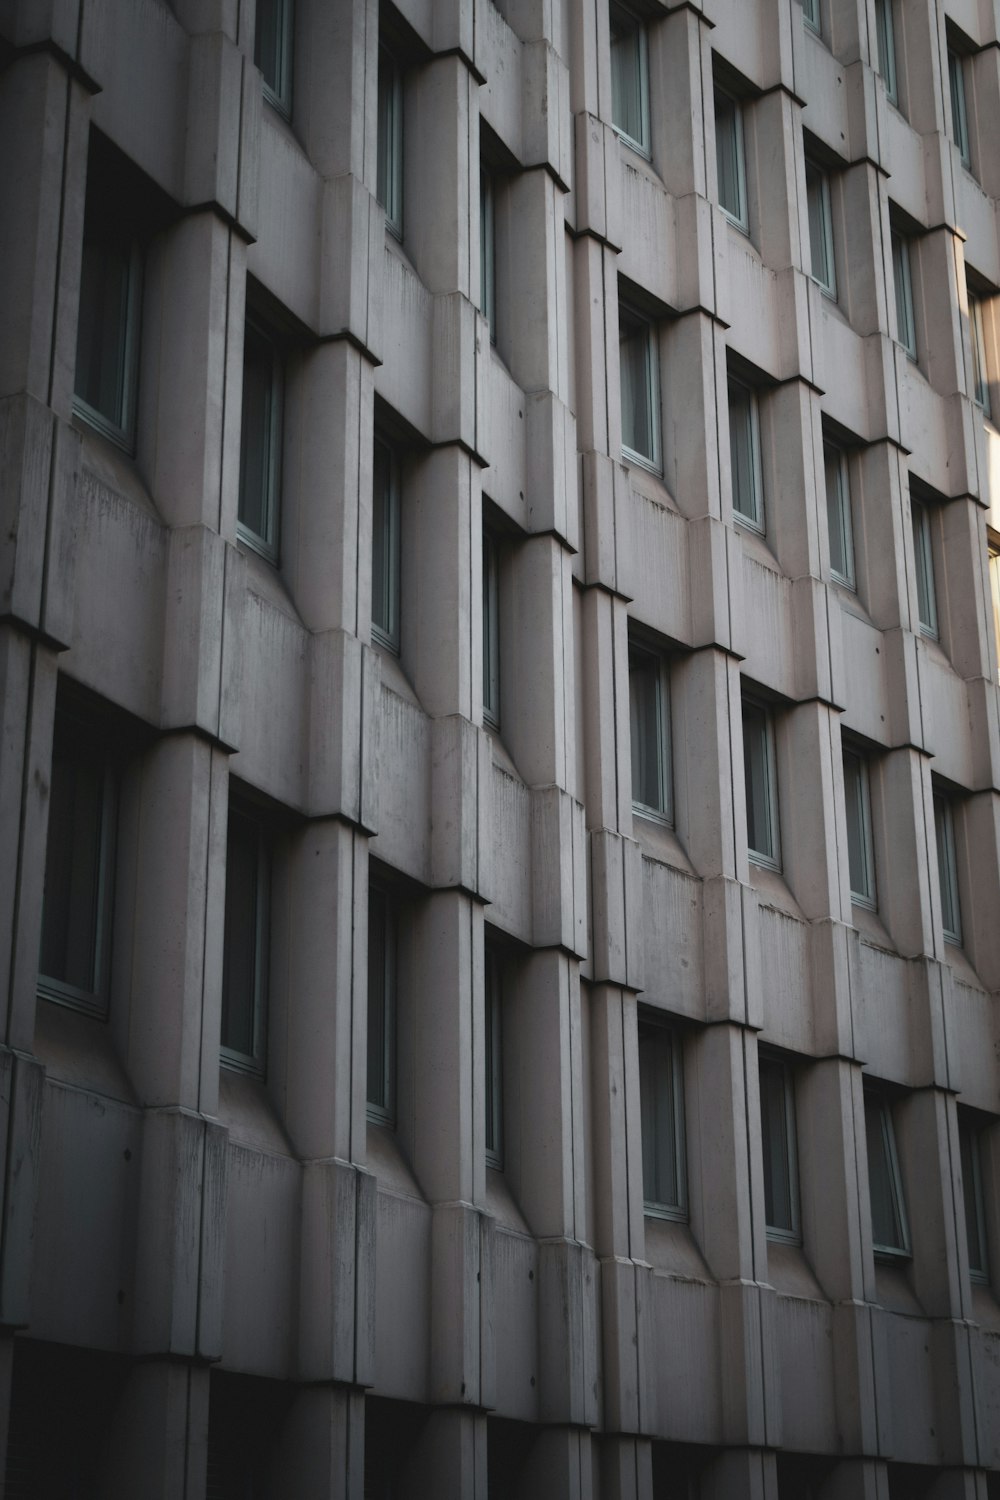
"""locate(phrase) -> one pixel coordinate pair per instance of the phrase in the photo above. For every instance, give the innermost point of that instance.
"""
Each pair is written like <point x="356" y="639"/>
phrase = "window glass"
<point x="972" y="1194"/>
<point x="385" y="547"/>
<point x="491" y="630"/>
<point x="744" y="455"/>
<point x="903" y="286"/>
<point x="859" y="828"/>
<point x="260" y="443"/>
<point x="820" y="228"/>
<point x="944" y="833"/>
<point x="762" y="808"/>
<point x="811" y="15"/>
<point x="838" y="513"/>
<point x="923" y="559"/>
<point x="730" y="157"/>
<point x="389" y="180"/>
<point x="980" y="379"/>
<point x="107" y="345"/>
<point x="777" y="1120"/>
<point x="487" y="250"/>
<point x="640" y="388"/>
<point x="650" y="732"/>
<point x="885" y="33"/>
<point x="629" y="78"/>
<point x="959" y="118"/>
<point x="890" y="1233"/>
<point x="494" y="1059"/>
<point x="272" y="51"/>
<point x="381" y="1094"/>
<point x="245" y="944"/>
<point x="662" y="1113"/>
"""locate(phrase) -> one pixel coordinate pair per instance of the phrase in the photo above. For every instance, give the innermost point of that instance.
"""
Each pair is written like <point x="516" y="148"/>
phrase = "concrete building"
<point x="499" y="749"/>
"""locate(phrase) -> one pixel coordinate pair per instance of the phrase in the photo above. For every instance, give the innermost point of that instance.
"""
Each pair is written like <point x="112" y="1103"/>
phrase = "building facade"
<point x="499" y="749"/>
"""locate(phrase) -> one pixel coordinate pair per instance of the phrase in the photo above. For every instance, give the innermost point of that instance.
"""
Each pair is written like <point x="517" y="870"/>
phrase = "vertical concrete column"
<point x="965" y="585"/>
<point x="677" y="52"/>
<point x="159" y="1437"/>
<point x="607" y="791"/>
<point x="792" y="479"/>
<point x="810" y="773"/>
<point x="442" y="168"/>
<point x="539" y="711"/>
<point x="910" y="903"/>
<point x="741" y="1474"/>
<point x="864" y="293"/>
<point x="880" y="543"/>
<point x="694" y="397"/>
<point x="448" y="1458"/>
<point x="857" y="1479"/>
<point x="626" y="1468"/>
<point x="595" y="299"/>
<point x="321" y="1448"/>
<point x="590" y="68"/>
<point x="982" y="841"/>
<point x="336" y="68"/>
<point x="776" y="143"/>
<point x="945" y="310"/>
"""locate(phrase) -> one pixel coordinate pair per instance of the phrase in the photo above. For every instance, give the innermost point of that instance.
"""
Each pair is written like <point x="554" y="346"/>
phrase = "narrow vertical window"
<point x="629" y="78"/>
<point x="822" y="263"/>
<point x="761" y="786"/>
<point x="649" y="715"/>
<point x="972" y="1195"/>
<point x="107" y="340"/>
<point x="491" y="630"/>
<point x="640" y="388"/>
<point x="730" y="158"/>
<point x="385" y="546"/>
<point x="381" y="1095"/>
<point x="890" y="1231"/>
<point x="487" y="250"/>
<point x="389" y="181"/>
<point x="245" y="944"/>
<point x="811" y="15"/>
<point x="661" y="1098"/>
<point x="260" y="443"/>
<point x="272" y="51"/>
<point x="977" y="336"/>
<point x="838" y="513"/>
<point x="994" y="568"/>
<point x="777" y="1128"/>
<point x="886" y="38"/>
<point x="923" y="560"/>
<point x="947" y="860"/>
<point x="903" y="287"/>
<point x="744" y="454"/>
<point x="860" y="850"/>
<point x="493" y="1092"/>
<point x="959" y="116"/>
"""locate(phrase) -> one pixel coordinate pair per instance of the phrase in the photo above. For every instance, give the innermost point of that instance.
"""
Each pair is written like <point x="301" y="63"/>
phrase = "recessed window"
<point x="389" y="182"/>
<point x="272" y="51"/>
<point x="629" y="78"/>
<point x="890" y="1231"/>
<point x="818" y="200"/>
<point x="491" y="630"/>
<point x="994" y="570"/>
<point x="243" y="1035"/>
<point x="493" y="1093"/>
<point x="649" y="720"/>
<point x="977" y="335"/>
<point x="107" y="342"/>
<point x="382" y="971"/>
<point x="838" y="513"/>
<point x="811" y="15"/>
<point x="959" y="114"/>
<point x="972" y="1195"/>
<point x="886" y="37"/>
<point x="923" y="561"/>
<point x="487" y="250"/>
<point x="947" y="860"/>
<point x="73" y="960"/>
<point x="860" y="848"/>
<point x="661" y="1098"/>
<point x="744" y="453"/>
<point x="763" y="844"/>
<point x="260" y="442"/>
<point x="385" y="546"/>
<point x="730" y="158"/>
<point x="640" y="387"/>
<point x="906" y="332"/>
<point x="777" y="1127"/>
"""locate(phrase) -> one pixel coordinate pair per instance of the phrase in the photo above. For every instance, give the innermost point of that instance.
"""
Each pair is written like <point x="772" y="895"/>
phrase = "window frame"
<point x="118" y="426"/>
<point x="878" y="1109"/>
<point x="902" y="280"/>
<point x="822" y="256"/>
<point x="977" y="339"/>
<point x="662" y="1132"/>
<point x="769" y="859"/>
<point x="863" y="886"/>
<point x="635" y="25"/>
<point x="493" y="1056"/>
<point x="921" y="525"/>
<point x="788" y="1234"/>
<point x="743" y="402"/>
<point x="278" y="93"/>
<point x="993" y="568"/>
<point x="266" y="543"/>
<point x="812" y="16"/>
<point x="838" y="511"/>
<point x="381" y="905"/>
<point x="947" y="863"/>
<point x="885" y="36"/>
<point x="487" y="248"/>
<point x="662" y="811"/>
<point x="973" y="1199"/>
<point x="252" y="1063"/>
<point x="491" y="629"/>
<point x="733" y="107"/>
<point x="386" y="631"/>
<point x="642" y="325"/>
<point x="959" y="107"/>
<point x="389" y="147"/>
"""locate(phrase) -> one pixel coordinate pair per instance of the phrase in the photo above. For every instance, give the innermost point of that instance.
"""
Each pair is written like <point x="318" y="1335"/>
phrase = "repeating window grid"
<point x="820" y="209"/>
<point x="890" y="1229"/>
<point x="923" y="559"/>
<point x="629" y="78"/>
<point x="959" y="115"/>
<point x="494" y="1059"/>
<point x="886" y="38"/>
<point x="273" y="48"/>
<point x="947" y="859"/>
<point x="487" y="250"/>
<point x="778" y="1147"/>
<point x="744" y="453"/>
<point x="74" y="956"/>
<point x="763" y="838"/>
<point x="107" y="348"/>
<point x="491" y="630"/>
<point x="260" y="443"/>
<point x="661" y="1102"/>
<point x="977" y="336"/>
<point x="811" y="15"/>
<point x="973" y="1201"/>
<point x="731" y="159"/>
<point x="649" y="715"/>
<point x="385" y="546"/>
<point x="838" y="513"/>
<point x="860" y="848"/>
<point x="382" y="997"/>
<point x="389" y="176"/>
<point x="906" y="332"/>
<point x="246" y="940"/>
<point x="640" y="388"/>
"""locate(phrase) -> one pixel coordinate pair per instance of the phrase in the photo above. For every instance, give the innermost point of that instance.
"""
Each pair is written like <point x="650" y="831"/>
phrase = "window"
<point x="640" y="384"/>
<point x="838" y="513"/>
<point x="761" y="791"/>
<point x="923" y="559"/>
<point x="107" y="340"/>
<point x="260" y="442"/>
<point x="903" y="285"/>
<point x="629" y="78"/>
<point x="491" y="630"/>
<point x="980" y="379"/>
<point x="382" y="943"/>
<point x="885" y="35"/>
<point x="243" y="1036"/>
<point x="944" y="835"/>
<point x="649" y="717"/>
<point x="777" y="1129"/>
<point x="487" y="250"/>
<point x="272" y="51"/>
<point x="493" y="1094"/>
<point x="811" y="15"/>
<point x="744" y="454"/>
<point x="959" y="117"/>
<point x="994" y="567"/>
<point x="730" y="158"/>
<point x="822" y="265"/>
<point x="389" y="184"/>
<point x="661" y="1099"/>
<point x="385" y="547"/>
<point x="860" y="853"/>
<point x="972" y="1194"/>
<point x="74" y="956"/>
<point x="890" y="1232"/>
